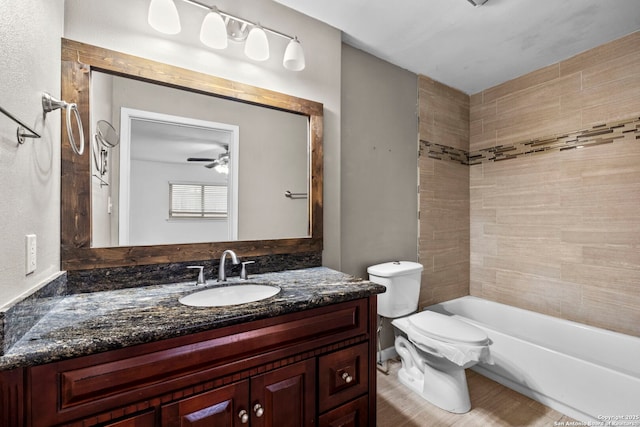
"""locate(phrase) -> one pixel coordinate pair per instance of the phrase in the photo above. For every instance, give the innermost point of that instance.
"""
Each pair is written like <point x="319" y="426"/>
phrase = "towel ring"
<point x="78" y="150"/>
<point x="49" y="104"/>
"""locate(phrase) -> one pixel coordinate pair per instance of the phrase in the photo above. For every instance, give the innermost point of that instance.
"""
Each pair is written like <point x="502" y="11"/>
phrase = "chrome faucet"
<point x="222" y="276"/>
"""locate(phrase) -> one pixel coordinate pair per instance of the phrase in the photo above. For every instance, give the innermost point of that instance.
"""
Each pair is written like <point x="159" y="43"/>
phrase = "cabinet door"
<point x="284" y="397"/>
<point x="11" y="398"/>
<point x="222" y="407"/>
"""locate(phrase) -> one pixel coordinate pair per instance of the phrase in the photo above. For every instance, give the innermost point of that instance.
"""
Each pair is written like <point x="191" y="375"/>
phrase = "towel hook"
<point x="50" y="104"/>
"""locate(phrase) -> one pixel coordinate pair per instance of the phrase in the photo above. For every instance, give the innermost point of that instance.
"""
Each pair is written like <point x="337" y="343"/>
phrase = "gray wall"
<point x="30" y="32"/>
<point x="379" y="216"/>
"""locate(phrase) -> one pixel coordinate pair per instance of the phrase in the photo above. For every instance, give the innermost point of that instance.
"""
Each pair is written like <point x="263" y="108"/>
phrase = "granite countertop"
<point x="88" y="323"/>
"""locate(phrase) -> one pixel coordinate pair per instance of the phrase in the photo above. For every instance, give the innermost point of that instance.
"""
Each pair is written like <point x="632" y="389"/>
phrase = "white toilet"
<point x="435" y="349"/>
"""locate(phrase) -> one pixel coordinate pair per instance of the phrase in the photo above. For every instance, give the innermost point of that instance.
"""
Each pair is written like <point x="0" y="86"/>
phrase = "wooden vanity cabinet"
<point x="314" y="367"/>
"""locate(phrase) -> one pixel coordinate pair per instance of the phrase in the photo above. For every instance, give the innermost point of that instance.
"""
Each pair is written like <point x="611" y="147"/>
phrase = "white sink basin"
<point x="229" y="295"/>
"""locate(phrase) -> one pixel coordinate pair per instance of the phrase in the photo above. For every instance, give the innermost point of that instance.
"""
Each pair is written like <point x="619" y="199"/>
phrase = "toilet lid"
<point x="447" y="328"/>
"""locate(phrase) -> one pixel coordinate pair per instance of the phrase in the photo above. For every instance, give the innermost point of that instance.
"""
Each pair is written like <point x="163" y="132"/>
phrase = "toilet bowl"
<point x="435" y="349"/>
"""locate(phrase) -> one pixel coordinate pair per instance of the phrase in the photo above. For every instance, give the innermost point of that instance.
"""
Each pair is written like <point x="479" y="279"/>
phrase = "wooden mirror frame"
<point x="78" y="60"/>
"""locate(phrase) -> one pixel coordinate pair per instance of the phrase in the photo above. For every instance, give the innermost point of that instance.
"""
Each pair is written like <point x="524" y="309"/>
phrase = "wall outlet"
<point x="31" y="253"/>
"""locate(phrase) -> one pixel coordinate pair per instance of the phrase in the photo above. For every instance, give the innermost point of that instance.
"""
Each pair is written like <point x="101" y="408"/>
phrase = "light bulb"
<point x="257" y="46"/>
<point x="163" y="16"/>
<point x="213" y="32"/>
<point x="222" y="169"/>
<point x="294" y="56"/>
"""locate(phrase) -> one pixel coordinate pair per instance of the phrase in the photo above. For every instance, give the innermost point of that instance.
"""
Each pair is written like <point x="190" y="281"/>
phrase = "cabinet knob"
<point x="346" y="377"/>
<point x="244" y="416"/>
<point x="257" y="409"/>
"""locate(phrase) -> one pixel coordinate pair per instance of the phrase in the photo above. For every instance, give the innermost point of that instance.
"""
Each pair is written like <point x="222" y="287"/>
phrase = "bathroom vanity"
<point x="137" y="357"/>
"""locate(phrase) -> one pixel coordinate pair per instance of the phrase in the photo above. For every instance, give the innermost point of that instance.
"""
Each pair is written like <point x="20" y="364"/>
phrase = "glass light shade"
<point x="294" y="56"/>
<point x="257" y="46"/>
<point x="222" y="169"/>
<point x="163" y="16"/>
<point x="213" y="32"/>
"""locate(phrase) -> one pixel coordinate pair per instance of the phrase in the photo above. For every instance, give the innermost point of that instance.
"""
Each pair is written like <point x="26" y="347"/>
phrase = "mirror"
<point x="170" y="136"/>
<point x="259" y="164"/>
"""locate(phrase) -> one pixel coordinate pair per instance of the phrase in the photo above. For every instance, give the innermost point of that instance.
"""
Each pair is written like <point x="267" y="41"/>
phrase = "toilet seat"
<point x="446" y="328"/>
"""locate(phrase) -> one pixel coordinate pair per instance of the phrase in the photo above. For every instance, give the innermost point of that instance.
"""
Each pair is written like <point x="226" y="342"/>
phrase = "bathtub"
<point x="587" y="373"/>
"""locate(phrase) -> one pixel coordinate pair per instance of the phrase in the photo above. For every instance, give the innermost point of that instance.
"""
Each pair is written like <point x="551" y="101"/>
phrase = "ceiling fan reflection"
<point x="221" y="164"/>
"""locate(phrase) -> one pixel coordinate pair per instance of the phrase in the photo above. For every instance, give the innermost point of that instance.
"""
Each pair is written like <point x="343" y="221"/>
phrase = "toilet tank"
<point x="402" y="280"/>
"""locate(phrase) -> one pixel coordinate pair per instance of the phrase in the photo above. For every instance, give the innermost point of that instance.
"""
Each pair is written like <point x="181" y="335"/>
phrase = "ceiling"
<point x="168" y="142"/>
<point x="474" y="48"/>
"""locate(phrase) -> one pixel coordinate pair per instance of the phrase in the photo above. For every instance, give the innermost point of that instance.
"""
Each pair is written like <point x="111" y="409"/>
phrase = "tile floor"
<point x="492" y="404"/>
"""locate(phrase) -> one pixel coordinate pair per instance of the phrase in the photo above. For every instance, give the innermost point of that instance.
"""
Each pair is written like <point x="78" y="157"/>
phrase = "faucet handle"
<point x="243" y="272"/>
<point x="200" y="280"/>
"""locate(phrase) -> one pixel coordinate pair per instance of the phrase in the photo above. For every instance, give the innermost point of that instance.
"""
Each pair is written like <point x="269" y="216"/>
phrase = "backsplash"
<point x="104" y="279"/>
<point x="21" y="317"/>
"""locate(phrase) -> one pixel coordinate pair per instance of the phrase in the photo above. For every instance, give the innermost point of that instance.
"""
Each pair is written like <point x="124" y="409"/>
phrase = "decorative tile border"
<point x="597" y="135"/>
<point x="443" y="152"/>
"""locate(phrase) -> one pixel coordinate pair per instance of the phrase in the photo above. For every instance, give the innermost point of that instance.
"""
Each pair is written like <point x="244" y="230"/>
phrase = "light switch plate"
<point x="31" y="253"/>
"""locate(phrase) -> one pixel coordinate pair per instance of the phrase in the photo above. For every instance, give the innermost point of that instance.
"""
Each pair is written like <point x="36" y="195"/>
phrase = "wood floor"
<point x="492" y="404"/>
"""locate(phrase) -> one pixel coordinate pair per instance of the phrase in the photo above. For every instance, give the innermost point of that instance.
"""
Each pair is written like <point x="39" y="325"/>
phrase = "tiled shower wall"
<point x="558" y="231"/>
<point x="444" y="192"/>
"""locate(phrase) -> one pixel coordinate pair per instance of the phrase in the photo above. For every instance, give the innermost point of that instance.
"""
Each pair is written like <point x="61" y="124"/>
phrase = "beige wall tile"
<point x="526" y="101"/>
<point x="528" y="80"/>
<point x="616" y="109"/>
<point x="487" y="139"/>
<point x="601" y="54"/>
<point x="611" y="309"/>
<point x="612" y="256"/>
<point x="605" y="93"/>
<point x="557" y="232"/>
<point x="543" y="123"/>
<point x="616" y="69"/>
<point x="475" y="99"/>
<point x="444" y="194"/>
<point x="485" y="111"/>
<point x="475" y="128"/>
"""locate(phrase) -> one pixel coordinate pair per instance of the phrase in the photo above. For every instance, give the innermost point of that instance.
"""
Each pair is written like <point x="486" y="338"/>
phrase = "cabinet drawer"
<point x="147" y="419"/>
<point x="342" y="376"/>
<point x="352" y="414"/>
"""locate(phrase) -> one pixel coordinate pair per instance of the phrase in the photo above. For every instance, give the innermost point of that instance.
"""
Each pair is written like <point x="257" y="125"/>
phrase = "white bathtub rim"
<point x="597" y="362"/>
<point x="536" y="390"/>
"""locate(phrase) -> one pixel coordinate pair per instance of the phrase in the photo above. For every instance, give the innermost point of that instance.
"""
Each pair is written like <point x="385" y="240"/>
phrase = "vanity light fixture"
<point x="217" y="27"/>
